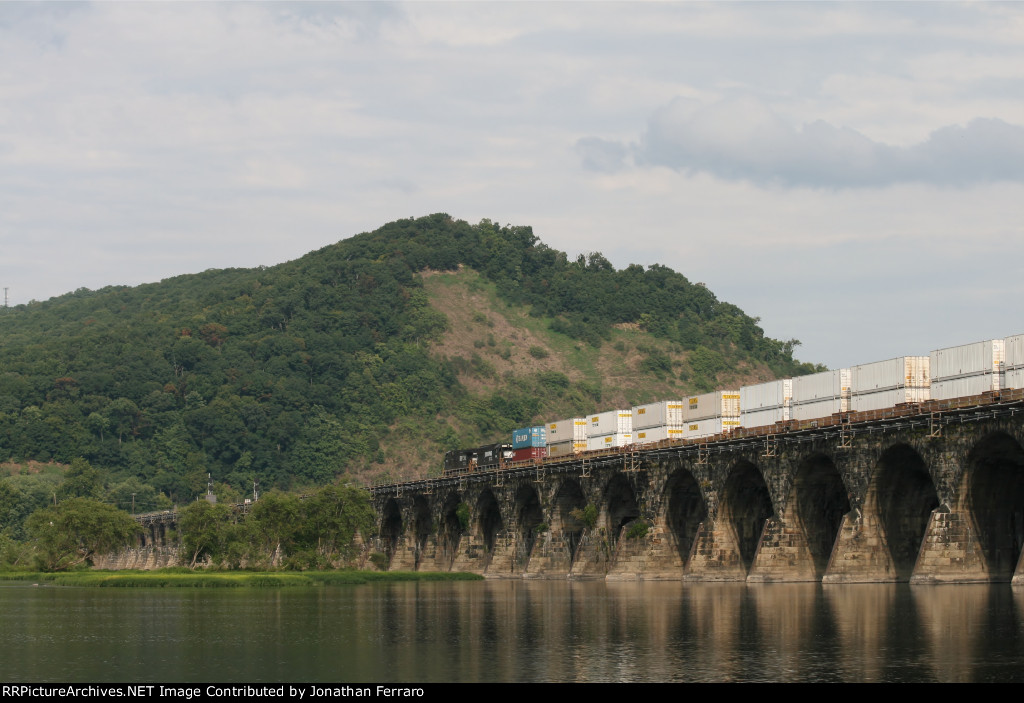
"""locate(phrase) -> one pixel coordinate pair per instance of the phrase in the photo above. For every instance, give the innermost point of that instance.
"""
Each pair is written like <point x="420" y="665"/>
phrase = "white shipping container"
<point x="665" y="412"/>
<point x="1014" y="379"/>
<point x="710" y="426"/>
<point x="963" y="387"/>
<point x="710" y="405"/>
<point x="903" y="372"/>
<point x="610" y="422"/>
<point x="815" y="409"/>
<point x="617" y="439"/>
<point x="763" y="418"/>
<point x="980" y="361"/>
<point x="832" y="387"/>
<point x="1013" y="363"/>
<point x="767" y="396"/>
<point x="889" y="398"/>
<point x="656" y="434"/>
<point x="571" y="429"/>
<point x="883" y="384"/>
<point x="566" y="448"/>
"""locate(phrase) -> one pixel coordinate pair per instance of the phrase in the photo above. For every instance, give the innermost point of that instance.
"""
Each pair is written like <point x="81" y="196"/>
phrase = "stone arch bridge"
<point x="925" y="494"/>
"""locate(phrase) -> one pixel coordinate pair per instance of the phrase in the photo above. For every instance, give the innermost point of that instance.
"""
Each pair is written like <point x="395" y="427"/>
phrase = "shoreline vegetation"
<point x="179" y="577"/>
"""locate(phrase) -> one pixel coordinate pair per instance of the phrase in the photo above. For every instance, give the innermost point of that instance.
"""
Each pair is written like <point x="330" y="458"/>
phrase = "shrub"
<point x="638" y="530"/>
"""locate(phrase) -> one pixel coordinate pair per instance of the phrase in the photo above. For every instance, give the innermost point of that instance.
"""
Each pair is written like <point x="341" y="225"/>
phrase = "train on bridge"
<point x="910" y="385"/>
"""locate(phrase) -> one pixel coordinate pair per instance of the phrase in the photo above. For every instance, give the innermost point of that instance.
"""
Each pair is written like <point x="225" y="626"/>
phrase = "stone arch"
<point x="488" y="519"/>
<point x="744" y="507"/>
<point x="421" y="523"/>
<point x="528" y="516"/>
<point x="994" y="496"/>
<point x="620" y="504"/>
<point x="450" y="530"/>
<point x="903" y="496"/>
<point x="821" y="501"/>
<point x="685" y="510"/>
<point x="569" y="497"/>
<point x="391" y="527"/>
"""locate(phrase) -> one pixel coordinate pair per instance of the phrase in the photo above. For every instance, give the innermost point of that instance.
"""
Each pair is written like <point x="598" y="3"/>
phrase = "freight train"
<point x="908" y="383"/>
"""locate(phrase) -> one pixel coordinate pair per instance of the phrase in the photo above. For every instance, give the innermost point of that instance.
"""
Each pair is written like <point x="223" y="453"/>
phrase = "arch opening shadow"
<point x="489" y="520"/>
<point x="995" y="498"/>
<point x="421" y="526"/>
<point x="528" y="517"/>
<point x="391" y="528"/>
<point x="821" y="503"/>
<point x="747" y="504"/>
<point x="686" y="511"/>
<point x="904" y="496"/>
<point x="450" y="529"/>
<point x="620" y="502"/>
<point x="569" y="498"/>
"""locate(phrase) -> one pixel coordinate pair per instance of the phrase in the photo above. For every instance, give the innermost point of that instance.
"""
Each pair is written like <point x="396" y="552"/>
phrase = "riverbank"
<point x="184" y="578"/>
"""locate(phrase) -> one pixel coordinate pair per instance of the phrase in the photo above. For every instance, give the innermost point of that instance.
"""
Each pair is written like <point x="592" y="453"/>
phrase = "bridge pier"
<point x="950" y="553"/>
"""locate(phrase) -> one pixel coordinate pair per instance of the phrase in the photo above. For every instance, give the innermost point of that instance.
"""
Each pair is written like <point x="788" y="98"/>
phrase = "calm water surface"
<point x="513" y="631"/>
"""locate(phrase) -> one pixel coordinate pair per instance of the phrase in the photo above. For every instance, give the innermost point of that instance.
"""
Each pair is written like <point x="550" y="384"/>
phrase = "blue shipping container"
<point x="529" y="437"/>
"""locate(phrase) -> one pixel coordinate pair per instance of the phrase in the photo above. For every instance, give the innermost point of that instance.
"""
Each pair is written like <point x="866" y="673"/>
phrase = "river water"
<point x="513" y="631"/>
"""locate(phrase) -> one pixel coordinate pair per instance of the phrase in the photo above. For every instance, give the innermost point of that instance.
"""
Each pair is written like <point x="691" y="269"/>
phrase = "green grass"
<point x="183" y="578"/>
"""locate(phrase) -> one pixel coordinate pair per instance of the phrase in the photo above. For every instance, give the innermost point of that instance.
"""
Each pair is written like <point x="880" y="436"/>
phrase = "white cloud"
<point x="742" y="139"/>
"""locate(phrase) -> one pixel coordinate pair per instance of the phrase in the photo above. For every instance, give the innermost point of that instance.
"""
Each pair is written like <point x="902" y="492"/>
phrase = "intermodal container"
<point x="569" y="448"/>
<point x="766" y="403"/>
<point x="709" y="427"/>
<point x="610" y="422"/>
<point x="657" y="434"/>
<point x="608" y="441"/>
<point x="574" y="429"/>
<point x="664" y="413"/>
<point x="821" y="394"/>
<point x="883" y="384"/>
<point x="529" y="453"/>
<point x="1014" y="361"/>
<point x="529" y="437"/>
<point x="724" y="404"/>
<point x="970" y="369"/>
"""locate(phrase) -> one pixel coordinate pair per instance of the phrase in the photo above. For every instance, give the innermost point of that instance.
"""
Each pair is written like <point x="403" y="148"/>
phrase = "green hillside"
<point x="368" y="358"/>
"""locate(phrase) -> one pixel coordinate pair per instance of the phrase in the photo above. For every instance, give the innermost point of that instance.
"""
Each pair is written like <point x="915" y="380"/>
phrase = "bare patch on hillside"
<point x="481" y="335"/>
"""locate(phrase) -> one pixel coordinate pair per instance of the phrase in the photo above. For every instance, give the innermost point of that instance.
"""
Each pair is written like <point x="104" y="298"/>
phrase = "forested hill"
<point x="354" y="359"/>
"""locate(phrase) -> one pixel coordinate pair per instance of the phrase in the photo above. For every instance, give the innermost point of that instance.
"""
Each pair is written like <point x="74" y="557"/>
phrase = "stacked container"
<point x="821" y="394"/>
<point x="765" y="404"/>
<point x="657" y="421"/>
<point x="529" y="443"/>
<point x="610" y="429"/>
<point x="970" y="369"/>
<point x="1014" y="361"/>
<point x="529" y="437"/>
<point x="567" y="437"/>
<point x="711" y="414"/>
<point x="884" y="384"/>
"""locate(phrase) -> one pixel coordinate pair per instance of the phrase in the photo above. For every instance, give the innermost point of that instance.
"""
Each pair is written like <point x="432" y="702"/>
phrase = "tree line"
<point x="280" y="530"/>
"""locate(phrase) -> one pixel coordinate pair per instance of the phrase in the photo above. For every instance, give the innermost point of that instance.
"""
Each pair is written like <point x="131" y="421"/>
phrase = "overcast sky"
<point x="852" y="174"/>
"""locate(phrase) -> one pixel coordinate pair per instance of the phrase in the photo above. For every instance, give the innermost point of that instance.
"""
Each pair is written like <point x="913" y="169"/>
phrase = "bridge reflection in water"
<point x="931" y="493"/>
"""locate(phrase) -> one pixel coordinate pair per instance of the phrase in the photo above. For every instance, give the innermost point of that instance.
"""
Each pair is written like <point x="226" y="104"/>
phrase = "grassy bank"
<point x="183" y="578"/>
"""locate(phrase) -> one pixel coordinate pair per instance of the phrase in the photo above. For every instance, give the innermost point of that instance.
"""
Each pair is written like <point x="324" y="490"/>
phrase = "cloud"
<point x="743" y="139"/>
